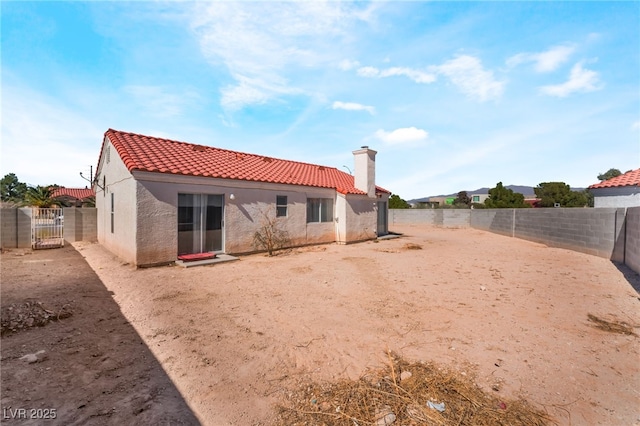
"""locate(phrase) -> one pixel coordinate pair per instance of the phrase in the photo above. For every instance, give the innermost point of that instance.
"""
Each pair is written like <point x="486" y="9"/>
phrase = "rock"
<point x="385" y="416"/>
<point x="436" y="406"/>
<point x="36" y="357"/>
<point x="405" y="375"/>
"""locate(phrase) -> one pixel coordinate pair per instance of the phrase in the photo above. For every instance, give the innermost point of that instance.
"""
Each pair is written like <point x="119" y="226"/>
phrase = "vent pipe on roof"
<point x="365" y="170"/>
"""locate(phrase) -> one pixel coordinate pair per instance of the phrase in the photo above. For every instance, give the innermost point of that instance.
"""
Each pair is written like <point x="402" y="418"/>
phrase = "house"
<point x="479" y="198"/>
<point x="159" y="198"/>
<point x="74" y="197"/>
<point x="620" y="191"/>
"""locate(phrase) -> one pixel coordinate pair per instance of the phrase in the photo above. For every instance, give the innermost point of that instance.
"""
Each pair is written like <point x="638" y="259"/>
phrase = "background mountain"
<point x="527" y="191"/>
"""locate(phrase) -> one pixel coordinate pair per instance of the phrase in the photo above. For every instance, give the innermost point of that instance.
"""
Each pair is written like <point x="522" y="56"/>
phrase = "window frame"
<point x="112" y="213"/>
<point x="282" y="209"/>
<point x="324" y="213"/>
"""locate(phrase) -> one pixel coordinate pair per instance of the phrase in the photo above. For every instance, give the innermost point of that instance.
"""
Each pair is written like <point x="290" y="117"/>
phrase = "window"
<point x="319" y="210"/>
<point x="112" y="210"/>
<point x="281" y="206"/>
<point x="476" y="198"/>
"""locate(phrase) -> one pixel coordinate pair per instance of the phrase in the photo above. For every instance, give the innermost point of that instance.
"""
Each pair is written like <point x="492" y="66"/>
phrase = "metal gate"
<point x="47" y="228"/>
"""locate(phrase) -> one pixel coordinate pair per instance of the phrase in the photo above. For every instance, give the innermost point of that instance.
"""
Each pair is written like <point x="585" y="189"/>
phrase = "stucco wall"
<point x="120" y="183"/>
<point x="243" y="215"/>
<point x="360" y="219"/>
<point x="628" y="196"/>
<point x="617" y="201"/>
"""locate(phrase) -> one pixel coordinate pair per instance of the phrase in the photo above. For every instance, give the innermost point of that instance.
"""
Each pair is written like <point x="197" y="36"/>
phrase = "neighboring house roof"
<point x="78" y="193"/>
<point x="151" y="154"/>
<point x="631" y="178"/>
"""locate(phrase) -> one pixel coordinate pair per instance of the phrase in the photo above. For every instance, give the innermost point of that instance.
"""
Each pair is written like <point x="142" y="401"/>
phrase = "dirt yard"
<point x="234" y="339"/>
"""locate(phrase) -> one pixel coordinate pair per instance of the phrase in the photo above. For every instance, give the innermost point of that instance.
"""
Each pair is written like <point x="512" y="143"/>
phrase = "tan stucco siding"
<point x="360" y="218"/>
<point x="247" y="213"/>
<point x="157" y="236"/>
<point x="120" y="183"/>
<point x="243" y="215"/>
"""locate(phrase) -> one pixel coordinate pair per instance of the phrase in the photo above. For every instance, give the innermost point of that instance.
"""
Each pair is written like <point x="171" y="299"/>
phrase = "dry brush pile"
<point x="20" y="316"/>
<point x="405" y="393"/>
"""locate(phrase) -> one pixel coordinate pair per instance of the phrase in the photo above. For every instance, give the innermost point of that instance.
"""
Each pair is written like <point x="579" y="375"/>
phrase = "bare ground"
<point x="236" y="338"/>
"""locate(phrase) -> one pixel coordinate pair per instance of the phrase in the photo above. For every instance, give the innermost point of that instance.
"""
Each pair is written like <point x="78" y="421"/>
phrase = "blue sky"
<point x="453" y="95"/>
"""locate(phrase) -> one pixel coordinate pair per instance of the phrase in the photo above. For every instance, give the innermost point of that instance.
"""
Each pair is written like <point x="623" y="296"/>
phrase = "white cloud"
<point x="44" y="141"/>
<point x="402" y="135"/>
<point x="254" y="91"/>
<point x="413" y="74"/>
<point x="546" y="61"/>
<point x="467" y="73"/>
<point x="352" y="106"/>
<point x="347" y="65"/>
<point x="635" y="125"/>
<point x="262" y="44"/>
<point x="368" y="72"/>
<point x="580" y="80"/>
<point x="158" y="101"/>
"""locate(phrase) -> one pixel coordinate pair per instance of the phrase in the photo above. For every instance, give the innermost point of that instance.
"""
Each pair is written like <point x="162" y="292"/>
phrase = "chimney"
<point x="365" y="170"/>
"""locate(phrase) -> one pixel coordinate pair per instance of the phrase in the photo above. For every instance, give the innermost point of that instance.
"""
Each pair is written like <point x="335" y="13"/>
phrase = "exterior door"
<point x="200" y="220"/>
<point x="383" y="217"/>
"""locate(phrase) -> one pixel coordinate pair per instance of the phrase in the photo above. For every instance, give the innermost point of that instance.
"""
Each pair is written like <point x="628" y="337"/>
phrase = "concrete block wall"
<point x="15" y="227"/>
<point x="80" y="224"/>
<point x="411" y="216"/>
<point x="456" y="218"/>
<point x="619" y="235"/>
<point x="591" y="231"/>
<point x="613" y="233"/>
<point x="499" y="221"/>
<point x="632" y="237"/>
<point x="453" y="218"/>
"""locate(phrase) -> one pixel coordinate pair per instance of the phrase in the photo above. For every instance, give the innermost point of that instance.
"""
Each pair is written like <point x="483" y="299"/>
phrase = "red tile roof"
<point x="631" y="178"/>
<point x="79" y="193"/>
<point x="151" y="154"/>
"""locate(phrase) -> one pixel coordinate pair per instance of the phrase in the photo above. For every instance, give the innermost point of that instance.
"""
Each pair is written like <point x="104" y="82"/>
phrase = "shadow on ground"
<point x="630" y="275"/>
<point x="95" y="368"/>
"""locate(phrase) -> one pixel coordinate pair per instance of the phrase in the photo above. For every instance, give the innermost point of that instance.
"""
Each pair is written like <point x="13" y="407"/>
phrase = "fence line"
<point x="613" y="233"/>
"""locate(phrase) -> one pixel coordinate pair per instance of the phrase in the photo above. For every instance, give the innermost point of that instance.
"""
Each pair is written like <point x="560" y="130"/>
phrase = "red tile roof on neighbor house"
<point x="151" y="154"/>
<point x="631" y="178"/>
<point x="78" y="193"/>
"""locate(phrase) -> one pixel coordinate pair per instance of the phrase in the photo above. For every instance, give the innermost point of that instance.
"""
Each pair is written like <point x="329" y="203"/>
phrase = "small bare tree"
<point x="270" y="236"/>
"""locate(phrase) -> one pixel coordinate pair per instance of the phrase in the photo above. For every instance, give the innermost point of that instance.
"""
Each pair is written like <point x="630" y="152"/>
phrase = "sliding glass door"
<point x="200" y="219"/>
